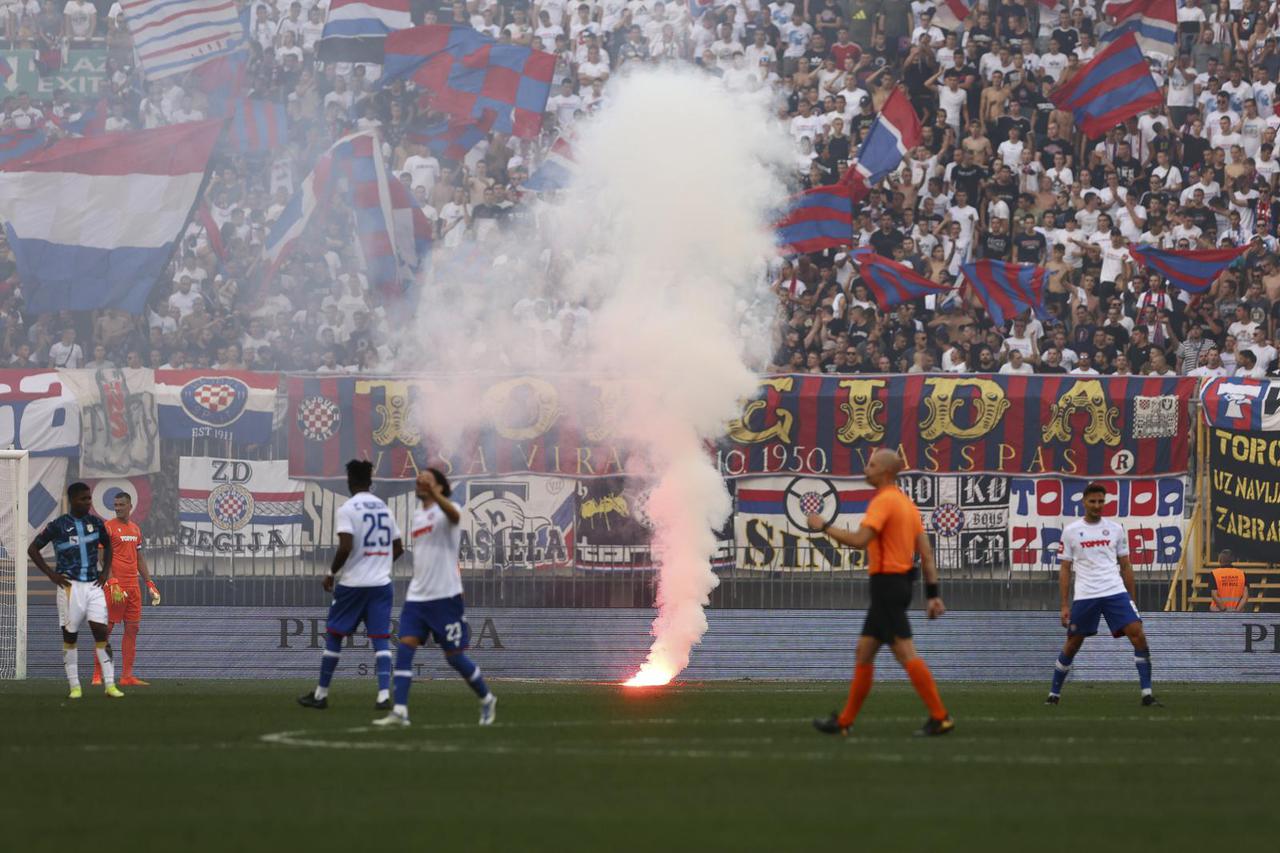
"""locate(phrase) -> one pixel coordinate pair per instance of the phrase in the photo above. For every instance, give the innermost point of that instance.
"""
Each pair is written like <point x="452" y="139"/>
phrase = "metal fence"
<point x="995" y="584"/>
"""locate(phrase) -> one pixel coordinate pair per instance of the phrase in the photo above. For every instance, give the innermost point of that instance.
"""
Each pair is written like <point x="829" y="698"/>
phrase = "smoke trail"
<point x="676" y="181"/>
<point x="664" y="234"/>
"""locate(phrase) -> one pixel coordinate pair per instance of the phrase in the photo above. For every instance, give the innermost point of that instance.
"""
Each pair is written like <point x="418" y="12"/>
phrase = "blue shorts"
<point x="1119" y="610"/>
<point x="441" y="620"/>
<point x="355" y="604"/>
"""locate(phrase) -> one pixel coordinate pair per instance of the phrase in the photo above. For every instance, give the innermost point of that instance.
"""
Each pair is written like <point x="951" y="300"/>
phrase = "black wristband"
<point x="932" y="590"/>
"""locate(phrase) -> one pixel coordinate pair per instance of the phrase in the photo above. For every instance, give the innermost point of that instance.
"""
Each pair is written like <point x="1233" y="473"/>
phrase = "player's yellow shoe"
<point x="75" y="693"/>
<point x="114" y="692"/>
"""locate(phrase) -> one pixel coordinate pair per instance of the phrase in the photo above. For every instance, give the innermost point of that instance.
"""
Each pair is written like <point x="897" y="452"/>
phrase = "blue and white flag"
<point x="174" y="36"/>
<point x="235" y="507"/>
<point x="354" y="30"/>
<point x="556" y="171"/>
<point x="1153" y="22"/>
<point x="94" y="221"/>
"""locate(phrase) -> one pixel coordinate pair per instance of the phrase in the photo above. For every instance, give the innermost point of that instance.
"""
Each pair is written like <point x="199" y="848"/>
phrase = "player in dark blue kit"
<point x="79" y="576"/>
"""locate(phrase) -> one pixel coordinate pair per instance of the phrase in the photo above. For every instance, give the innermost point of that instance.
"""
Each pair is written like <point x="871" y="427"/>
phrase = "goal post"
<point x="13" y="564"/>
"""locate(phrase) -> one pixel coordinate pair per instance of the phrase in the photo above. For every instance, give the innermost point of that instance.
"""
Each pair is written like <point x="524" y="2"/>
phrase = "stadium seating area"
<point x="1001" y="174"/>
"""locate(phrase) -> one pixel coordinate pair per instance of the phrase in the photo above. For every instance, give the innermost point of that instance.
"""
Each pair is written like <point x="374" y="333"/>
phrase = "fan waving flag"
<point x="1192" y="270"/>
<point x="174" y="36"/>
<point x="895" y="132"/>
<point x="820" y="218"/>
<point x="892" y="283"/>
<point x="1153" y="22"/>
<point x="354" y="30"/>
<point x="94" y="221"/>
<point x="556" y="171"/>
<point x="1116" y="85"/>
<point x="950" y="14"/>
<point x="394" y="234"/>
<point x="468" y="74"/>
<point x="1007" y="289"/>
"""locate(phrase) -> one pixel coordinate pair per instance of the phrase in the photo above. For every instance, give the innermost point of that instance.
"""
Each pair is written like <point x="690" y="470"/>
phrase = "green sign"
<point x="83" y="74"/>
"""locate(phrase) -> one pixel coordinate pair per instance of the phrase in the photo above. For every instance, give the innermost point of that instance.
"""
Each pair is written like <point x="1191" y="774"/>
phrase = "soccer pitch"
<point x="187" y="765"/>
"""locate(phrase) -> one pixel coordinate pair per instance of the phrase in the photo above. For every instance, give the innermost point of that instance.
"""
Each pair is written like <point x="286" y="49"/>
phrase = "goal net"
<point x="13" y="564"/>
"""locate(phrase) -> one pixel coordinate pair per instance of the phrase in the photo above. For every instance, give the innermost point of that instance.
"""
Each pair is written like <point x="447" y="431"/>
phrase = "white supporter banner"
<point x="237" y="508"/>
<point x="517" y="522"/>
<point x="119" y="433"/>
<point x="1152" y="512"/>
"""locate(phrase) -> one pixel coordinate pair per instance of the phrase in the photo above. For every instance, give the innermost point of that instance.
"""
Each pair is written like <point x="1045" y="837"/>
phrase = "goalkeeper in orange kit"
<point x="124" y="595"/>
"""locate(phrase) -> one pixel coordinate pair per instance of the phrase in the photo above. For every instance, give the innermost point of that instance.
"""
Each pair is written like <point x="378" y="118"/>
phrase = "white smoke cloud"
<point x="662" y="237"/>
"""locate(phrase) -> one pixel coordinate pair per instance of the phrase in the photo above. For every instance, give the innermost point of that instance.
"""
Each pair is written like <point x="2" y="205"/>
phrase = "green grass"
<point x="193" y="766"/>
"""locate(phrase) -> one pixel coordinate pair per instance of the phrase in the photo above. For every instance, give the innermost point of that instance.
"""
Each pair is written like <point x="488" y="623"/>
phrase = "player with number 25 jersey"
<point x="360" y="580"/>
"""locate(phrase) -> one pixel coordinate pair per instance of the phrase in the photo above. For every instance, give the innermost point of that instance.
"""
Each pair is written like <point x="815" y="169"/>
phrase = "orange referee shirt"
<point x="896" y="521"/>
<point x="126" y="539"/>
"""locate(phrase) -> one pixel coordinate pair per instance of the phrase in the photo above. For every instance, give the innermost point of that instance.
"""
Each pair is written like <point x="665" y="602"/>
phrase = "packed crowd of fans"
<point x="1001" y="174"/>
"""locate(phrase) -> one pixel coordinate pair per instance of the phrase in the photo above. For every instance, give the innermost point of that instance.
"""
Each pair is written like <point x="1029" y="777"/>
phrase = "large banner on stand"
<point x="1244" y="494"/>
<point x="1152" y="512"/>
<point x="236" y="508"/>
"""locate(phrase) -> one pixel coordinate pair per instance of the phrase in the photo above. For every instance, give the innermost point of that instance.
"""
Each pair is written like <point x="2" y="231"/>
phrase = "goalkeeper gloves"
<point x="116" y="592"/>
<point x="155" y="593"/>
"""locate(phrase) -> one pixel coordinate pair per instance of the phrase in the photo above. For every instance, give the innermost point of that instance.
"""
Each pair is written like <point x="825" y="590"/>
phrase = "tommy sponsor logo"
<point x="1094" y="543"/>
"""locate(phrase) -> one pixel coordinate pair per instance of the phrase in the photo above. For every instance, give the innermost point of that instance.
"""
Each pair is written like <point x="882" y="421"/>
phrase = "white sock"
<point x="400" y="710"/>
<point x="488" y="697"/>
<point x="1146" y="691"/>
<point x="70" y="664"/>
<point x="384" y="695"/>
<point x="321" y="692"/>
<point x="108" y="668"/>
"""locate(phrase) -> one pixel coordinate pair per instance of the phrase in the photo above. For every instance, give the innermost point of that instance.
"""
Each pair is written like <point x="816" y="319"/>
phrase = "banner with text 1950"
<point x="1244" y="494"/>
<point x="1085" y="426"/>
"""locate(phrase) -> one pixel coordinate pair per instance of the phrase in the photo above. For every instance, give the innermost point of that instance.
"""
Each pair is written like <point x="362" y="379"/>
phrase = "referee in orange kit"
<point x="893" y="534"/>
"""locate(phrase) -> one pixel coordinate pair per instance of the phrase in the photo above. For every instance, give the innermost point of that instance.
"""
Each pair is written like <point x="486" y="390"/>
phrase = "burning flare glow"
<point x="651" y="675"/>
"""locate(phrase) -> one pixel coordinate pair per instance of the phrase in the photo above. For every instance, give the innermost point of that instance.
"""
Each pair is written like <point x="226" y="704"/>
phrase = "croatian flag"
<point x="895" y="132"/>
<point x="820" y="218"/>
<point x="1192" y="270"/>
<point x="1115" y="86"/>
<point x="16" y="144"/>
<point x="556" y="171"/>
<point x="354" y="30"/>
<point x="1007" y="289"/>
<point x="94" y="221"/>
<point x="950" y="14"/>
<point x="174" y="36"/>
<point x="892" y="283"/>
<point x="236" y="405"/>
<point x="1153" y="22"/>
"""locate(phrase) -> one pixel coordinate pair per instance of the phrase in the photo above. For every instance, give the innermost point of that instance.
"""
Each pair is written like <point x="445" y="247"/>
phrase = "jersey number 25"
<point x="375" y="524"/>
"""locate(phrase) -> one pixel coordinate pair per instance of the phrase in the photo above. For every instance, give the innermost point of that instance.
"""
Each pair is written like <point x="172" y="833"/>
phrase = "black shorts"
<point x="887" y="616"/>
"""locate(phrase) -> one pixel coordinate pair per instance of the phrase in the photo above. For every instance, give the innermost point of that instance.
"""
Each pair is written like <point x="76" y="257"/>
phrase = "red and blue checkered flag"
<point x="259" y="126"/>
<point x="466" y="73"/>
<point x="1192" y="270"/>
<point x="820" y="218"/>
<point x="449" y="138"/>
<point x="892" y="283"/>
<point x="1007" y="289"/>
<point x="1115" y="86"/>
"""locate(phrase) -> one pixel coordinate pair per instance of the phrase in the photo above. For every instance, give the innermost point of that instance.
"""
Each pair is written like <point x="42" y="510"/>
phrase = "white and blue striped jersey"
<point x="372" y="529"/>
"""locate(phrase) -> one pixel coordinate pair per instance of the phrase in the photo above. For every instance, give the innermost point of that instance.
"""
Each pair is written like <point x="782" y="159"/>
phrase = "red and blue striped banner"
<point x="1192" y="270"/>
<point x="1007" y="289"/>
<point x="1115" y="86"/>
<point x="893" y="283"/>
<point x="820" y="218"/>
<point x="259" y="126"/>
